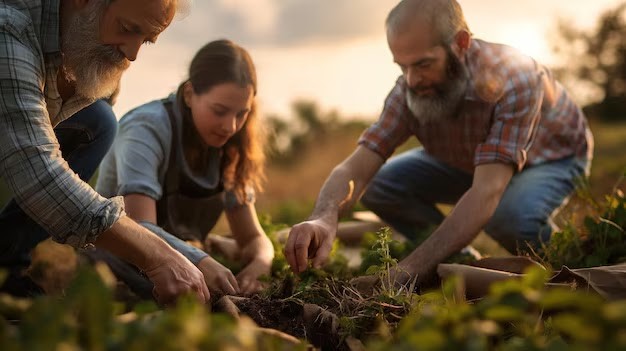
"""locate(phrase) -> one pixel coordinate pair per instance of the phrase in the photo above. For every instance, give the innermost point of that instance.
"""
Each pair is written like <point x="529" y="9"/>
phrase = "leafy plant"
<point x="600" y="241"/>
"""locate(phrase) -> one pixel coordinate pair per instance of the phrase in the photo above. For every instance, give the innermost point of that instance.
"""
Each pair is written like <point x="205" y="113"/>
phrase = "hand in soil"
<point x="248" y="278"/>
<point x="257" y="255"/>
<point x="174" y="275"/>
<point x="309" y="240"/>
<point x="218" y="278"/>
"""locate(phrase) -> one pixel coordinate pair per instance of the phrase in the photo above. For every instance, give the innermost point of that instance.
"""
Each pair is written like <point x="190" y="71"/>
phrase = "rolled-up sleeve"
<point x="391" y="129"/>
<point x="515" y="121"/>
<point x="30" y="160"/>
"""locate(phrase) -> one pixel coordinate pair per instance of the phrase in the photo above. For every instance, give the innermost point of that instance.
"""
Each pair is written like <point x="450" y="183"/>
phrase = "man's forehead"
<point x="150" y="16"/>
<point x="412" y="45"/>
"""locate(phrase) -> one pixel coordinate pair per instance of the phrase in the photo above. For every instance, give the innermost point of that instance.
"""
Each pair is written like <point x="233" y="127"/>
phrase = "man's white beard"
<point x="447" y="98"/>
<point x="95" y="69"/>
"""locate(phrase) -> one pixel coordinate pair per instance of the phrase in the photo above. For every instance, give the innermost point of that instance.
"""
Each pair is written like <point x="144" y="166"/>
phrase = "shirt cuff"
<point x="192" y="253"/>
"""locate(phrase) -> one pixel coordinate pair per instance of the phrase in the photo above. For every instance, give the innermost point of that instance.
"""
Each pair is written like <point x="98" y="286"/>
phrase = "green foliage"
<point x="87" y="319"/>
<point x="379" y="248"/>
<point x="516" y="315"/>
<point x="600" y="241"/>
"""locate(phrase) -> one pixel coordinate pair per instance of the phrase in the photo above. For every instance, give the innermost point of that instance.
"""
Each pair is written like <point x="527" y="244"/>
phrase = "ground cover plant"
<point x="322" y="309"/>
<point x="516" y="315"/>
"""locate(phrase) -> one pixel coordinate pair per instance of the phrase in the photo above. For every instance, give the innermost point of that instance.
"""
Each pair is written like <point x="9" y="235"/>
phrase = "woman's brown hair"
<point x="218" y="62"/>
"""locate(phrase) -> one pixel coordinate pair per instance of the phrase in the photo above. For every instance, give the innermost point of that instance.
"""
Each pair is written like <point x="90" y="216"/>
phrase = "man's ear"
<point x="462" y="41"/>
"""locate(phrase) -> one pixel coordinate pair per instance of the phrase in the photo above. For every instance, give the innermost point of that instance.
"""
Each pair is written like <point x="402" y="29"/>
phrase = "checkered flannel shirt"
<point x="30" y="106"/>
<point x="514" y="112"/>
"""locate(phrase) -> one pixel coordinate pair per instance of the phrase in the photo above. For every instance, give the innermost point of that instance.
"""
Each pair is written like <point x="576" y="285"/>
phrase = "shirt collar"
<point x="471" y="64"/>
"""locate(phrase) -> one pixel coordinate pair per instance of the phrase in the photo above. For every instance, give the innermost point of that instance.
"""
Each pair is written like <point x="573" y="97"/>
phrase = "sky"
<point x="332" y="52"/>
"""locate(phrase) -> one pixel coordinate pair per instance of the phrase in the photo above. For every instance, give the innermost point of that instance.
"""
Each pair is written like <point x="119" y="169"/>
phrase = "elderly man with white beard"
<point x="57" y="58"/>
<point x="500" y="139"/>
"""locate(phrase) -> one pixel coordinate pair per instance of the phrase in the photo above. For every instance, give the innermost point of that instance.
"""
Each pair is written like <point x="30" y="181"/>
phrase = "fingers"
<point x="322" y="253"/>
<point x="205" y="296"/>
<point x="230" y="285"/>
<point x="297" y="249"/>
<point x="169" y="296"/>
<point x="251" y="286"/>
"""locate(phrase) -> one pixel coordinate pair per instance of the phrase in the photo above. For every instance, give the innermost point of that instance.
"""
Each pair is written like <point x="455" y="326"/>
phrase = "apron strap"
<point x="172" y="174"/>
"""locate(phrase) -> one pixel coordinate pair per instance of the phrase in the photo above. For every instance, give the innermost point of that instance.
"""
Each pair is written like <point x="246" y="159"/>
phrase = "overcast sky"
<point x="330" y="51"/>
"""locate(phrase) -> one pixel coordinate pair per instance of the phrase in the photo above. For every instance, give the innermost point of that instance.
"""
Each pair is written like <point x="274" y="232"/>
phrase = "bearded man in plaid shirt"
<point x="57" y="58"/>
<point x="500" y="139"/>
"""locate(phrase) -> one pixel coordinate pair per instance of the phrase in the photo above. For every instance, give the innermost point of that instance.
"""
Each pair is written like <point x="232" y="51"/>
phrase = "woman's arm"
<point x="256" y="249"/>
<point x="142" y="209"/>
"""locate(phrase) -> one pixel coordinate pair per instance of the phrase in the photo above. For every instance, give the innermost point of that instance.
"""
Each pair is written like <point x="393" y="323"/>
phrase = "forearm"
<point x="251" y="240"/>
<point x="133" y="243"/>
<point x="462" y="225"/>
<point x="192" y="253"/>
<point x="346" y="184"/>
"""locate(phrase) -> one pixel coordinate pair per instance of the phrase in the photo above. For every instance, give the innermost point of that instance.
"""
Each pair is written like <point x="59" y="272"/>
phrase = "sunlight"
<point x="529" y="39"/>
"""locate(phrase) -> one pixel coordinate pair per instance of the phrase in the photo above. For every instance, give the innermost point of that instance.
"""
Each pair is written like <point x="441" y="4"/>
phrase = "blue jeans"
<point x="84" y="139"/>
<point x="405" y="190"/>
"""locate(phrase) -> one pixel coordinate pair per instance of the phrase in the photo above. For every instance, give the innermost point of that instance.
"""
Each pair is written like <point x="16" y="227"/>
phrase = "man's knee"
<point x="103" y="121"/>
<point x="369" y="198"/>
<point x="519" y="228"/>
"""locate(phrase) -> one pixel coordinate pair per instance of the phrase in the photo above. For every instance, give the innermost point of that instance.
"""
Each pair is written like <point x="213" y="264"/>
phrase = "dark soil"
<point x="306" y="321"/>
<point x="286" y="316"/>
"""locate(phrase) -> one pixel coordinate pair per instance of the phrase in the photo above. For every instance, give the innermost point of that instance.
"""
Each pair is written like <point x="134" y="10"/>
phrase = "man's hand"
<point x="173" y="275"/>
<point x="309" y="240"/>
<point x="218" y="278"/>
<point x="257" y="255"/>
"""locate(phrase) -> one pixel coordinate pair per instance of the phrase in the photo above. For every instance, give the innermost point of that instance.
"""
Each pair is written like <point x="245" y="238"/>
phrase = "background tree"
<point x="593" y="63"/>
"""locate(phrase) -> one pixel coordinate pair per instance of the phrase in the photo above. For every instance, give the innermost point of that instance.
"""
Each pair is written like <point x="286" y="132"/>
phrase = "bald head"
<point x="443" y="17"/>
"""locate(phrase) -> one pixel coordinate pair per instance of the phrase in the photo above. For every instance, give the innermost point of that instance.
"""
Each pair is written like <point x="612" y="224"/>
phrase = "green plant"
<point x="601" y="240"/>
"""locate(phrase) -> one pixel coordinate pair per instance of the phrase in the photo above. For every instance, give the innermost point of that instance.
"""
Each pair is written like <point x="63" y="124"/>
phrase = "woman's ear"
<point x="187" y="93"/>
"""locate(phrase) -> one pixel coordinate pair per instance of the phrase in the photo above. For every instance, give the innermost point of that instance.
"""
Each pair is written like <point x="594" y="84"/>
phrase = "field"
<point x="87" y="310"/>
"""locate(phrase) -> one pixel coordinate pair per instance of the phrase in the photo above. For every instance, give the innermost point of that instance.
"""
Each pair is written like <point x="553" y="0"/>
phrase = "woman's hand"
<point x="257" y="255"/>
<point x="218" y="278"/>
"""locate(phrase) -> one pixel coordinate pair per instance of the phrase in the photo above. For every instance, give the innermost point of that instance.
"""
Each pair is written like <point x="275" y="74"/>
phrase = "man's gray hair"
<point x="445" y="17"/>
<point x="182" y="7"/>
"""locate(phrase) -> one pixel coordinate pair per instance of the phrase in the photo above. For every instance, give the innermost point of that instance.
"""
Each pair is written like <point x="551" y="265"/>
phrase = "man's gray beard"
<point x="444" y="104"/>
<point x="95" y="69"/>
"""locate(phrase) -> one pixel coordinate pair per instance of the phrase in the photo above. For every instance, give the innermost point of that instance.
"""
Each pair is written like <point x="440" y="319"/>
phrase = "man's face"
<point x="436" y="79"/>
<point x="100" y="40"/>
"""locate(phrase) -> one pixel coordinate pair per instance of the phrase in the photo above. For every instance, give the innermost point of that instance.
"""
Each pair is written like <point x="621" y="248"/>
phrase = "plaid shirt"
<point x="514" y="112"/>
<point x="30" y="106"/>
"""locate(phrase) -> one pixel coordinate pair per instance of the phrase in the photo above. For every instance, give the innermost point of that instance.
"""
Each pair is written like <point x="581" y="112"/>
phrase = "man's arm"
<point x="49" y="192"/>
<point x="468" y="217"/>
<point x="171" y="273"/>
<point x="313" y="239"/>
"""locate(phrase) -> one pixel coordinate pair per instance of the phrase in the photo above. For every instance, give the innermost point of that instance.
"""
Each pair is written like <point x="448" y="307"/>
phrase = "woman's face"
<point x="220" y="112"/>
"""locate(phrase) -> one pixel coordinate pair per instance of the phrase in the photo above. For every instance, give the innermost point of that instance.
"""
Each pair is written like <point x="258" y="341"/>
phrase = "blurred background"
<point x="324" y="71"/>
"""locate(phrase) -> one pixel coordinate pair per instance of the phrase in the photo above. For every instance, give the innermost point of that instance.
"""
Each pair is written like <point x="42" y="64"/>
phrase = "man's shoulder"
<point x="495" y="68"/>
<point x="18" y="15"/>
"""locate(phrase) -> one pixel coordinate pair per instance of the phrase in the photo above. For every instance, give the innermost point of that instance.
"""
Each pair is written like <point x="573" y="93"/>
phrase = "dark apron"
<point x="186" y="209"/>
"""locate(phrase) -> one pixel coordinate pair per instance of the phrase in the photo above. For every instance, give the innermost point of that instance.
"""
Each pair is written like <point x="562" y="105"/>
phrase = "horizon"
<point x="303" y="50"/>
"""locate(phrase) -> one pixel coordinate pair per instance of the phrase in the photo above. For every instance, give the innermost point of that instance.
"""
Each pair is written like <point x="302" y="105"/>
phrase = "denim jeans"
<point x="84" y="139"/>
<point x="405" y="190"/>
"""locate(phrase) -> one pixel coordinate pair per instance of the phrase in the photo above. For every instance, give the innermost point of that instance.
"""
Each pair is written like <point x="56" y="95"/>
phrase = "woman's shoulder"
<point x="153" y="111"/>
<point x="151" y="115"/>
